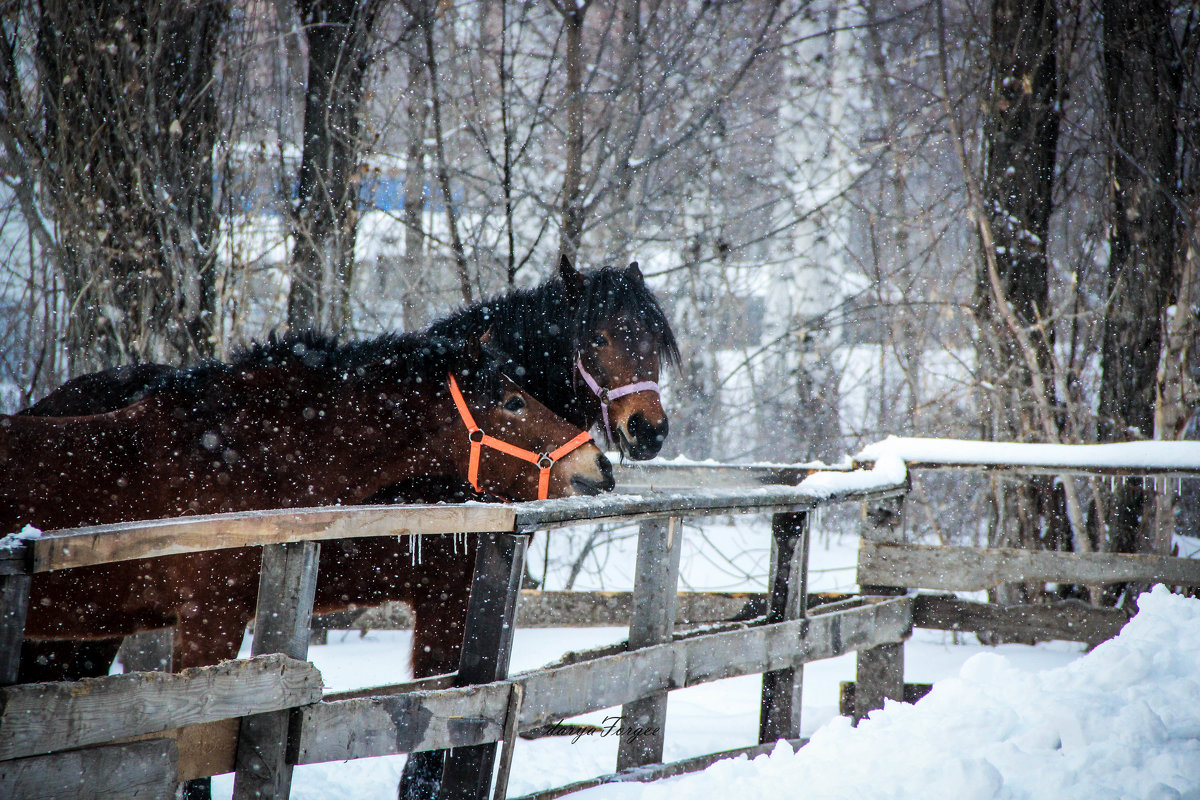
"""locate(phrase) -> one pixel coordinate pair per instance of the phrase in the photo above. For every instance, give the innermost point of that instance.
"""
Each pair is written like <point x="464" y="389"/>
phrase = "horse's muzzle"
<point x="604" y="482"/>
<point x="645" y="439"/>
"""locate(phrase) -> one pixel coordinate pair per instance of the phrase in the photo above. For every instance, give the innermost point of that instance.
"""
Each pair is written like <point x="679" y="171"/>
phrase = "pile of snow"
<point x="1121" y="722"/>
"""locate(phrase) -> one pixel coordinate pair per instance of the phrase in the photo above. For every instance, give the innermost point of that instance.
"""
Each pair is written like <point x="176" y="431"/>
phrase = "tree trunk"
<point x="572" y="198"/>
<point x="325" y="224"/>
<point x="1142" y="87"/>
<point x="414" y="271"/>
<point x="129" y="120"/>
<point x="1021" y="134"/>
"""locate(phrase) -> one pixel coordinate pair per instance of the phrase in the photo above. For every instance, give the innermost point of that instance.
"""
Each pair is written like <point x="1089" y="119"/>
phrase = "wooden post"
<point x="285" y="599"/>
<point x="14" y="603"/>
<point x="880" y="670"/>
<point x="779" y="717"/>
<point x="655" y="586"/>
<point x="487" y="644"/>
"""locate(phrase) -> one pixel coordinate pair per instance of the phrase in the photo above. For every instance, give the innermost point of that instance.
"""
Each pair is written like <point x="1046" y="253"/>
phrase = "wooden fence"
<point x="138" y="735"/>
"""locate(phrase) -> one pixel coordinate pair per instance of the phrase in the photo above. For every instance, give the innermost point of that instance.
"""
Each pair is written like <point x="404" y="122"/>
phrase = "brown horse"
<point x="296" y="422"/>
<point x="604" y="324"/>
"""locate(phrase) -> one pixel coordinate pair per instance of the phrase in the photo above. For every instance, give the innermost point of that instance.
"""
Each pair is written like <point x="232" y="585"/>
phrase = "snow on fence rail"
<point x="237" y="716"/>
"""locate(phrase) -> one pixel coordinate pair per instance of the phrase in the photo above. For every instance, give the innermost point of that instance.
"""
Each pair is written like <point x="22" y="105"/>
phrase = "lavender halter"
<point x="608" y="395"/>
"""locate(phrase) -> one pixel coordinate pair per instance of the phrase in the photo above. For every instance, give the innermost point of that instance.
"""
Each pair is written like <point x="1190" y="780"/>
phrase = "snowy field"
<point x="1004" y="722"/>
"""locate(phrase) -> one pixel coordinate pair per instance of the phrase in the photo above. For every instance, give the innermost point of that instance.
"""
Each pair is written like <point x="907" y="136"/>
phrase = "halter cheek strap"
<point x="479" y="440"/>
<point x="608" y="395"/>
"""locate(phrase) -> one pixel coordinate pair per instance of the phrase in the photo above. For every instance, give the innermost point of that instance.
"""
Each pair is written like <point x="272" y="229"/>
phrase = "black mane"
<point x="532" y="320"/>
<point x="390" y="357"/>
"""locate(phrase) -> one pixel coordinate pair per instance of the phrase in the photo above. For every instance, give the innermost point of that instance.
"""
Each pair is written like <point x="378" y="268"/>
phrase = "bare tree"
<point x="113" y="150"/>
<point x="325" y="221"/>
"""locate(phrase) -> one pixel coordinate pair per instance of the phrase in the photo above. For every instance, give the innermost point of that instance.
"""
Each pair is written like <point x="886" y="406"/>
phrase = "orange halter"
<point x="478" y="439"/>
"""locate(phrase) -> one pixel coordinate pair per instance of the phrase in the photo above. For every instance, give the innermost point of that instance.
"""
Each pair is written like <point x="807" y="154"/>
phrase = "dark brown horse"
<point x="296" y="422"/>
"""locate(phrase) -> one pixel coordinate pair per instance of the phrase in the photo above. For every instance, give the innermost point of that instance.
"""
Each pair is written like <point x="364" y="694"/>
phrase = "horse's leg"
<point x="440" y="617"/>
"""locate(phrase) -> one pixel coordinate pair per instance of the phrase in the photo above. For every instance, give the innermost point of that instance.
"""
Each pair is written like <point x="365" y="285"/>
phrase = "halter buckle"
<point x="472" y="435"/>
<point x="545" y="461"/>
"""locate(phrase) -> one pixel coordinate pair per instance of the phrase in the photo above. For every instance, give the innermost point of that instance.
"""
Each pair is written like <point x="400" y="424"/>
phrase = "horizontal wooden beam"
<point x="971" y="569"/>
<point x="1069" y="620"/>
<point x="102" y="544"/>
<point x="37" y="718"/>
<point x="548" y="514"/>
<point x="460" y="717"/>
<point x="659" y="475"/>
<point x="143" y="770"/>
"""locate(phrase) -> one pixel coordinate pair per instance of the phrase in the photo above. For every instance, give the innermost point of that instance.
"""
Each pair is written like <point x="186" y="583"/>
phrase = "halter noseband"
<point x="479" y="439"/>
<point x="608" y="395"/>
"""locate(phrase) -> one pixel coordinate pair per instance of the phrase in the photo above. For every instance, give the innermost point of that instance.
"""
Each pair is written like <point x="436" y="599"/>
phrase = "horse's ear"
<point x="486" y="339"/>
<point x="634" y="273"/>
<point x="475" y="348"/>
<point x="572" y="279"/>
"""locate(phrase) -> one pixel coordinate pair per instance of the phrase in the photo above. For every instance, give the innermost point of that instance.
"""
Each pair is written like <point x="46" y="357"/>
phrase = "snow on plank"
<point x="1170" y="459"/>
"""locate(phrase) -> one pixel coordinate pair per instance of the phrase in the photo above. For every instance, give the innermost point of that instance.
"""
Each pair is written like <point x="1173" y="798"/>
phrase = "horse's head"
<point x="623" y="339"/>
<point x="522" y="450"/>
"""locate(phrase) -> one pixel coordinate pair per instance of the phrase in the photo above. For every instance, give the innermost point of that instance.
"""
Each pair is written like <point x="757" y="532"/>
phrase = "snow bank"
<point x="1125" y="455"/>
<point x="1121" y="722"/>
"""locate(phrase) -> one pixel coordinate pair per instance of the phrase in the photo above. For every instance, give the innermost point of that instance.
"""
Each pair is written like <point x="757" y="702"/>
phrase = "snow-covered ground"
<point x="1003" y="722"/>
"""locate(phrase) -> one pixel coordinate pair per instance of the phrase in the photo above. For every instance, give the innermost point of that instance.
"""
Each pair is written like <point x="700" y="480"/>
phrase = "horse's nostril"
<point x="647" y="439"/>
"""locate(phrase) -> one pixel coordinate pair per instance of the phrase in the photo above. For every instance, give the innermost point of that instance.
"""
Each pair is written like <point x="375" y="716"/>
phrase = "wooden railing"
<point x="139" y="734"/>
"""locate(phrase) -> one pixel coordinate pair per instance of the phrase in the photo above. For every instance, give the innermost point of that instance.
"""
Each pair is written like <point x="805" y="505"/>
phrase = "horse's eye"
<point x="514" y="403"/>
<point x="599" y="340"/>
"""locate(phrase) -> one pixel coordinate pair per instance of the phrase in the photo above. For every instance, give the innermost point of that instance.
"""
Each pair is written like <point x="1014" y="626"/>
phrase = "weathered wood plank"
<point x="473" y="715"/>
<point x="660" y="475"/>
<point x="14" y="604"/>
<point x="880" y="676"/>
<point x="139" y="770"/>
<point x="106" y="543"/>
<point x="779" y="707"/>
<point x="207" y="749"/>
<point x="972" y="569"/>
<point x="37" y="718"/>
<point x="1069" y="620"/>
<point x="286" y="588"/>
<point x="580" y="609"/>
<point x="656" y="578"/>
<point x="547" y="514"/>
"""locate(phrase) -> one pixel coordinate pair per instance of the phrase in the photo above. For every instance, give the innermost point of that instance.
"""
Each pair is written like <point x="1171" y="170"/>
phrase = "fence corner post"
<point x="879" y="673"/>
